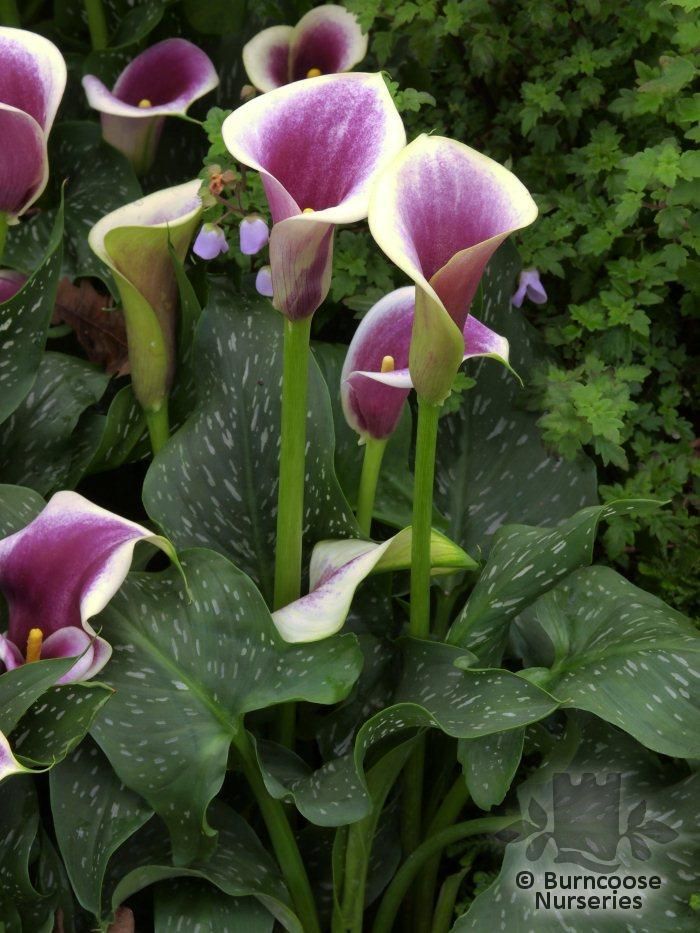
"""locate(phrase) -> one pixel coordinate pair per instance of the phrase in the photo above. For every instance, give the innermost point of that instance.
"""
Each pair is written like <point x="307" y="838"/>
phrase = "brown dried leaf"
<point x="123" y="921"/>
<point x="98" y="326"/>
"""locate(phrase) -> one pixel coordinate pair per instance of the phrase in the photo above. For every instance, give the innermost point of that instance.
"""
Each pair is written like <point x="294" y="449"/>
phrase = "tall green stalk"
<point x="9" y="14"/>
<point x="419" y="626"/>
<point x="426" y="443"/>
<point x="97" y="24"/>
<point x="371" y="465"/>
<point x="282" y="838"/>
<point x="404" y="877"/>
<point x="448" y="811"/>
<point x="158" y="426"/>
<point x="290" y="496"/>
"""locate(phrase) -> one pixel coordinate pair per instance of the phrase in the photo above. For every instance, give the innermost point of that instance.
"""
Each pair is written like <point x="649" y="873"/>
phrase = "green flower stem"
<point x="419" y="626"/>
<point x="395" y="893"/>
<point x="360" y="837"/>
<point x="443" y="612"/>
<point x="447" y="813"/>
<point x="444" y="911"/>
<point x="158" y="426"/>
<point x="290" y="497"/>
<point x="371" y="465"/>
<point x="281" y="836"/>
<point x="412" y="798"/>
<point x="9" y="14"/>
<point x="426" y="443"/>
<point x="97" y="24"/>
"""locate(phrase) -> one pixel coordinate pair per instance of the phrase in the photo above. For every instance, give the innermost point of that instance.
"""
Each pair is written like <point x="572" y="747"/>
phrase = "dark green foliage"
<point x="592" y="106"/>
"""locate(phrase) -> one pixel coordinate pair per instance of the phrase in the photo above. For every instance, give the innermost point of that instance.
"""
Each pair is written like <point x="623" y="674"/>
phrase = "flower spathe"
<point x="162" y="81"/>
<point x="318" y="145"/>
<point x="10" y="283"/>
<point x="56" y="574"/>
<point x="439" y="211"/>
<point x="375" y="380"/>
<point x="338" y="567"/>
<point x="134" y="242"/>
<point x="32" y="81"/>
<point x="326" y="40"/>
<point x="529" y="286"/>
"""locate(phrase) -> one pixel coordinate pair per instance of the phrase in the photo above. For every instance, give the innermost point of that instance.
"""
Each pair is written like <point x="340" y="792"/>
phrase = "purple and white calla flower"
<point x="59" y="572"/>
<point x="163" y="81"/>
<point x="10" y="283"/>
<point x="326" y="40"/>
<point x="376" y="380"/>
<point x="318" y="145"/>
<point x="133" y="242"/>
<point x="338" y="567"/>
<point x="439" y="211"/>
<point x="8" y="763"/>
<point x="529" y="286"/>
<point x="32" y="81"/>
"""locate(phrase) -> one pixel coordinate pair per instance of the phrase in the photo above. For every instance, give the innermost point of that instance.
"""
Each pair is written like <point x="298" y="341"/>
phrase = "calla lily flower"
<point x="327" y="40"/>
<point x="338" y="567"/>
<point x="375" y="381"/>
<point x="439" y="211"/>
<point x="163" y="81"/>
<point x="32" y="81"/>
<point x="318" y="145"/>
<point x="254" y="234"/>
<point x="133" y="241"/>
<point x="210" y="242"/>
<point x="10" y="283"/>
<point x="529" y="286"/>
<point x="60" y="571"/>
<point x="8" y="763"/>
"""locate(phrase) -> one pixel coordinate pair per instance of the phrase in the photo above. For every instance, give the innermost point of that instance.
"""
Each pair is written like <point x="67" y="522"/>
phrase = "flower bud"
<point x="210" y="242"/>
<point x="254" y="234"/>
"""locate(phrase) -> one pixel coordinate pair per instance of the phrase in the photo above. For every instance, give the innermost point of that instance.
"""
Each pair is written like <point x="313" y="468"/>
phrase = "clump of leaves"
<point x="602" y="125"/>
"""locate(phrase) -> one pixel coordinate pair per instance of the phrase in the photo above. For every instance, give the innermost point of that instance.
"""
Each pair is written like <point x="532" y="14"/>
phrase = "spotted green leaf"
<point x="239" y="866"/>
<point x="622" y="654"/>
<point x="195" y="907"/>
<point x="38" y="442"/>
<point x="432" y="692"/>
<point x="18" y="506"/>
<point x="492" y="466"/>
<point x="215" y="483"/>
<point x="185" y="672"/>
<point x="137" y="24"/>
<point x="489" y="764"/>
<point x="123" y="427"/>
<point x="524" y="563"/>
<point x="31" y="876"/>
<point x="93" y="813"/>
<point x="21" y="687"/>
<point x="603" y="757"/>
<point x="24" y="321"/>
<point x="57" y="722"/>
